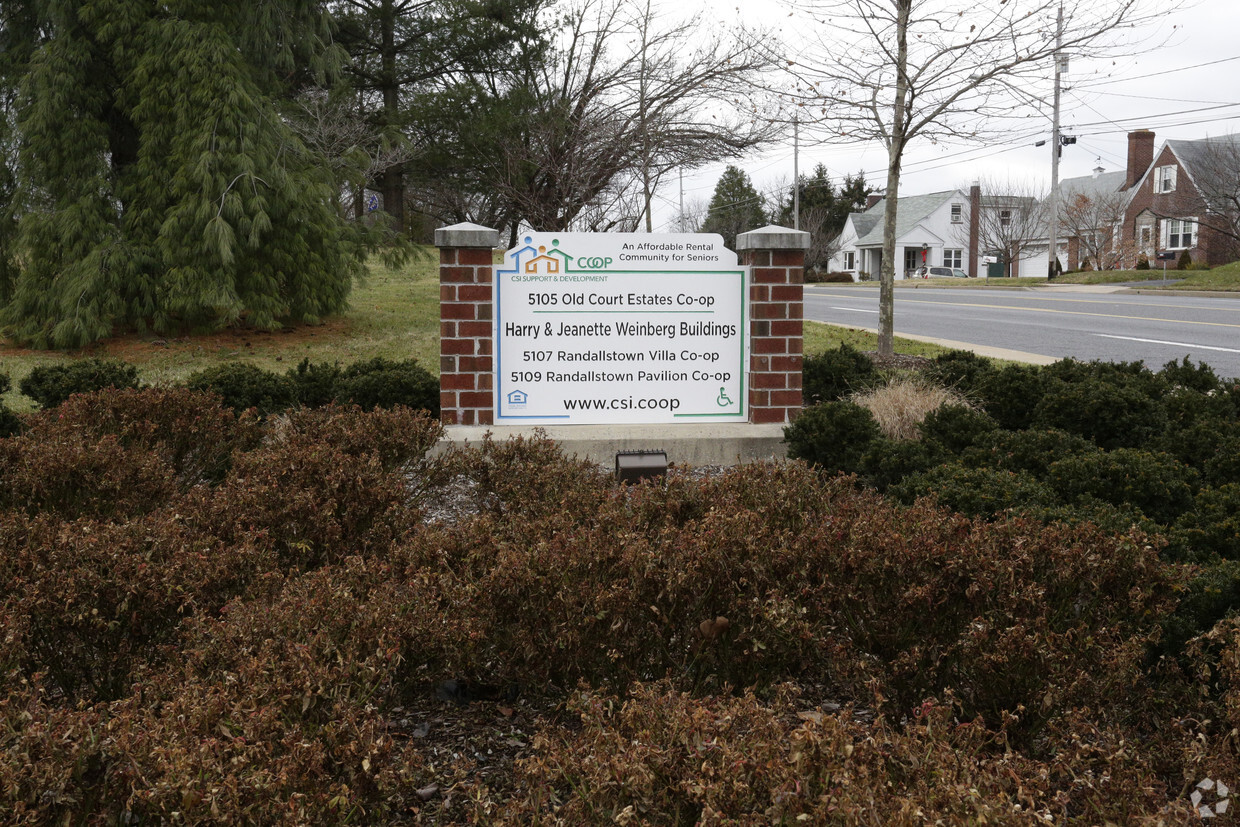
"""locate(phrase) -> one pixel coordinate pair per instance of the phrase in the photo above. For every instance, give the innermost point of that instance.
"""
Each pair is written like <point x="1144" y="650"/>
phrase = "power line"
<point x="1147" y="76"/>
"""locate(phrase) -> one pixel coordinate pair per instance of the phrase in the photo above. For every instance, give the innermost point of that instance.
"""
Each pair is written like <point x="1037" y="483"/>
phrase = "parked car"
<point x="958" y="273"/>
<point x="925" y="272"/>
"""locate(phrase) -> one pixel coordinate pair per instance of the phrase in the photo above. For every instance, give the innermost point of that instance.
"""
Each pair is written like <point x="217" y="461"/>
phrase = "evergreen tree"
<point x="735" y="207"/>
<point x="823" y="211"/>
<point x="18" y="39"/>
<point x="406" y="50"/>
<point x="162" y="187"/>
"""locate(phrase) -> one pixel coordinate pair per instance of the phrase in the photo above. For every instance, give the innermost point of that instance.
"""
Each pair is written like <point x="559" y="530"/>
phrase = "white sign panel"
<point x="620" y="328"/>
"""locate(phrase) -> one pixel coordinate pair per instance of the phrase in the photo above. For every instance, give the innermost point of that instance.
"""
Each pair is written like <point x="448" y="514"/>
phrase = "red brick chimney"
<point x="1140" y="155"/>
<point x="872" y="199"/>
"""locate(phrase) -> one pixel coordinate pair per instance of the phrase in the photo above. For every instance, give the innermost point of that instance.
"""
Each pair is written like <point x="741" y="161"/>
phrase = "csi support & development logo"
<point x="1210" y="798"/>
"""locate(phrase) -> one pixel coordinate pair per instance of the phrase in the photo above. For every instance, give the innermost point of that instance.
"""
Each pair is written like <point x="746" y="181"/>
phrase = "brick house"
<point x="1163" y="208"/>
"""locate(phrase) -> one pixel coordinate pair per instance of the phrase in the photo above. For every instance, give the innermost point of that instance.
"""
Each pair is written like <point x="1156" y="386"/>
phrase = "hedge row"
<point x="374" y="383"/>
<point x="230" y="629"/>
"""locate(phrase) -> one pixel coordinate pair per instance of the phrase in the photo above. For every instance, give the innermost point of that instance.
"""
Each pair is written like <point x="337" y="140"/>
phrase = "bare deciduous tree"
<point x="897" y="70"/>
<point x="354" y="150"/>
<point x="1096" y="220"/>
<point x="1217" y="175"/>
<point x="1011" y="220"/>
<point x="623" y="100"/>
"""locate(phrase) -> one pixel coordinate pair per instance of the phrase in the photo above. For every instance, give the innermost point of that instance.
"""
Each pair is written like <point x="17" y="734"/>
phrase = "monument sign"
<point x="620" y="328"/>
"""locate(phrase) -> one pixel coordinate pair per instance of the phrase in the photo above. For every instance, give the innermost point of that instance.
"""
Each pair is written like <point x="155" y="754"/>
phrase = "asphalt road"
<point x="1043" y="324"/>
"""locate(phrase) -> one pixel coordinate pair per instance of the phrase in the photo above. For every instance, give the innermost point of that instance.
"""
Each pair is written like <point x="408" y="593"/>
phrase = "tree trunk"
<point x="895" y="154"/>
<point x="393" y="178"/>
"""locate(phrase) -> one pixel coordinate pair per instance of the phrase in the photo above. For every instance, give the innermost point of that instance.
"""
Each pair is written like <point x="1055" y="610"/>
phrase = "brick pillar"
<point x="466" y="308"/>
<point x="776" y="258"/>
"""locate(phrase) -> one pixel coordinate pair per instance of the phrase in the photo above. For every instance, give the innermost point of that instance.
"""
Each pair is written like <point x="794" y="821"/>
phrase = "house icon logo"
<point x="542" y="260"/>
<point x="517" y="399"/>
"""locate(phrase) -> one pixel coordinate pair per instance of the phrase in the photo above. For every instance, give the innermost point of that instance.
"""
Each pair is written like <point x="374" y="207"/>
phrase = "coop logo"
<point x="594" y="263"/>
<point x="1210" y="798"/>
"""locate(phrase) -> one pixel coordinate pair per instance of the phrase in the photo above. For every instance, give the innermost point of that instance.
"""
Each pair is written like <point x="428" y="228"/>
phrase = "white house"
<point x="936" y="229"/>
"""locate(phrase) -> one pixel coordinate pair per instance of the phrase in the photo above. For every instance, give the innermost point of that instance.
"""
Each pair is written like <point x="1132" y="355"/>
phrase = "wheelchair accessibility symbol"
<point x="723" y="400"/>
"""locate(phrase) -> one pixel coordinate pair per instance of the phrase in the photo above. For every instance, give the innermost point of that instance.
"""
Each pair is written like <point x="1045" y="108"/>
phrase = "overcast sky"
<point x="1187" y="89"/>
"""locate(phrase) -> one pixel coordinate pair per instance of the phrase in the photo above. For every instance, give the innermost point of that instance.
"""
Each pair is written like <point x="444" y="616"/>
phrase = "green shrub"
<point x="384" y="383"/>
<point x="1185" y="262"/>
<point x="1185" y="408"/>
<point x="960" y="370"/>
<point x="1211" y="594"/>
<point x="1224" y="466"/>
<point x="1158" y="485"/>
<point x="1211" y="529"/>
<point x="1111" y="415"/>
<point x="242" y="386"/>
<point x="1133" y="375"/>
<point x="49" y="385"/>
<point x="315" y="383"/>
<point x="10" y="423"/>
<point x="1113" y="519"/>
<point x="834" y="374"/>
<point x="976" y="492"/>
<point x="1032" y="450"/>
<point x="1010" y="395"/>
<point x="888" y="461"/>
<point x="1143" y="262"/>
<point x="1200" y="442"/>
<point x="956" y="427"/>
<point x="1199" y="377"/>
<point x="834" y="277"/>
<point x="833" y="436"/>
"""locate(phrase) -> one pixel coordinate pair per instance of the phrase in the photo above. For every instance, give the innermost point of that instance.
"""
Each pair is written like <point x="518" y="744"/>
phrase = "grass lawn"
<point x="1225" y="278"/>
<point x="820" y="337"/>
<point x="393" y="313"/>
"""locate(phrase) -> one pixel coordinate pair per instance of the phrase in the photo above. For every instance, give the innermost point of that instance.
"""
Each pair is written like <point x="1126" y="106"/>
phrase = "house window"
<point x="1164" y="178"/>
<point x="953" y="258"/>
<point x="1179" y="233"/>
<point x="957" y="213"/>
<point x="1005" y="218"/>
<point x="850" y="260"/>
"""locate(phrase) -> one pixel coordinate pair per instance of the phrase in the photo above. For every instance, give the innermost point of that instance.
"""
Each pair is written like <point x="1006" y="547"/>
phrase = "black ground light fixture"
<point x="634" y="466"/>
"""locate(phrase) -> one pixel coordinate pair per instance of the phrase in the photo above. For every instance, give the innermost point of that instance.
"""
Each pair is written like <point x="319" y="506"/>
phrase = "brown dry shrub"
<point x="328" y="484"/>
<point x="73" y="475"/>
<point x="87" y="602"/>
<point x="819" y="581"/>
<point x="528" y="477"/>
<point x="662" y="757"/>
<point x="900" y="406"/>
<point x="191" y="430"/>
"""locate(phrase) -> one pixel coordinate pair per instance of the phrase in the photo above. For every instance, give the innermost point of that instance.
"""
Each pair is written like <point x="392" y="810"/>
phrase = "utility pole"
<point x="796" y="172"/>
<point x="1056" y="148"/>
<point x="680" y="228"/>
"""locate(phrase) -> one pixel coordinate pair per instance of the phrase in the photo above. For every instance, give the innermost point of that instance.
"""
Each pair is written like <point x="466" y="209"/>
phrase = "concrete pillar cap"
<point x="466" y="235"/>
<point x="771" y="237"/>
